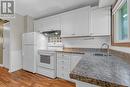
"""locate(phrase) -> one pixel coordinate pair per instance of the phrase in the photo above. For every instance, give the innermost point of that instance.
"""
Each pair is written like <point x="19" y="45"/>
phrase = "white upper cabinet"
<point x="38" y="25"/>
<point x="100" y="21"/>
<point x="51" y="23"/>
<point x="76" y="22"/>
<point x="86" y="21"/>
<point x="48" y="24"/>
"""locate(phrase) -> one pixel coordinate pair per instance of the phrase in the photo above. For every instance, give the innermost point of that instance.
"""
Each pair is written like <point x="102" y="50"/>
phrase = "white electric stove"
<point x="46" y="62"/>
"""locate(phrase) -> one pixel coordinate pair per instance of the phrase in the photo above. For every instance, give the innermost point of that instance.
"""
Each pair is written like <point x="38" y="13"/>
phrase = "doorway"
<point x="2" y="22"/>
<point x="1" y="42"/>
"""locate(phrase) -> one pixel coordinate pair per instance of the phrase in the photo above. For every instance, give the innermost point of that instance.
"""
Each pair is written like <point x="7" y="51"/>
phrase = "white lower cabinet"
<point x="66" y="63"/>
<point x="84" y="84"/>
<point x="63" y="66"/>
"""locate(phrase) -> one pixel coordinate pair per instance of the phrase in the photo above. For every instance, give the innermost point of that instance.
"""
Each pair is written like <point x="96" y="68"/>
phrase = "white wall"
<point x="122" y="49"/>
<point x="17" y="29"/>
<point x="29" y="26"/>
<point x="88" y="42"/>
<point x="85" y="42"/>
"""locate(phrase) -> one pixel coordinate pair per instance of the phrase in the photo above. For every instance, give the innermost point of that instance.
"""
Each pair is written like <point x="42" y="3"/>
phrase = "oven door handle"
<point x="46" y="54"/>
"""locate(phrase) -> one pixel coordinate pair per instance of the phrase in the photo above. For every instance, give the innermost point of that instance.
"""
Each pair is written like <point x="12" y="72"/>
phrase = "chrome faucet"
<point x="107" y="45"/>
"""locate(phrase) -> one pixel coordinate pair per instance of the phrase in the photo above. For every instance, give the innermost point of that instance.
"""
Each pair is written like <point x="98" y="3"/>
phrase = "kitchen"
<point x="83" y="45"/>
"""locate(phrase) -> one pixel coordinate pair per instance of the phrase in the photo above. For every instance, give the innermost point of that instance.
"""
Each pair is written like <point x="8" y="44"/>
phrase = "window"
<point x="121" y="31"/>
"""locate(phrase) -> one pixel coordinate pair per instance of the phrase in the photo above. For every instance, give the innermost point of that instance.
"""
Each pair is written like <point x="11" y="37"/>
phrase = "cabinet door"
<point x="67" y="29"/>
<point x="61" y="62"/>
<point x="76" y="22"/>
<point x="67" y="66"/>
<point x="60" y="68"/>
<point x="51" y="23"/>
<point x="38" y="25"/>
<point x="82" y="21"/>
<point x="100" y="21"/>
<point x="48" y="24"/>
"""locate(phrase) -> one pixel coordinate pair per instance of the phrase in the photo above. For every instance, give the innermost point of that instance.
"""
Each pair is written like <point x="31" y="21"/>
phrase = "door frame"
<point x="6" y="30"/>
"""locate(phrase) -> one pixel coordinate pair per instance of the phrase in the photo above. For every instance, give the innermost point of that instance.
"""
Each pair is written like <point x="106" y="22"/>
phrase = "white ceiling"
<point x="42" y="8"/>
<point x="103" y="3"/>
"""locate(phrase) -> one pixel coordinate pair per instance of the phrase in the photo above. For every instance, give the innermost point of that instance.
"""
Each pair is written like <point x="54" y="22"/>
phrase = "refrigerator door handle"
<point x="22" y="54"/>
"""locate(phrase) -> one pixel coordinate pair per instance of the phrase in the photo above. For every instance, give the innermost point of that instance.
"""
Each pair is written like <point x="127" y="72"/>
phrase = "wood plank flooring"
<point x="22" y="78"/>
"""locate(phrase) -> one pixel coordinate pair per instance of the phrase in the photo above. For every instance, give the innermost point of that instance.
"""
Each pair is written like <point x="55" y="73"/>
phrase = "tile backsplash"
<point x="86" y="42"/>
<point x="54" y="39"/>
<point x="53" y="36"/>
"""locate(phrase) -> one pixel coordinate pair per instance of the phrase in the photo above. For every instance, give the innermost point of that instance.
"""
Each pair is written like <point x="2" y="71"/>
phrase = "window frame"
<point x="116" y="7"/>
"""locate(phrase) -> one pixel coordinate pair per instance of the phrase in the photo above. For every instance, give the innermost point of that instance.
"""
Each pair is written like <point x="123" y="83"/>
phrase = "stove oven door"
<point x="47" y="61"/>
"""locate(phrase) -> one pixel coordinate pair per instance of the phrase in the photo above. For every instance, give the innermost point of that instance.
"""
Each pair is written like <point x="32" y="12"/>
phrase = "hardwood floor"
<point x="25" y="79"/>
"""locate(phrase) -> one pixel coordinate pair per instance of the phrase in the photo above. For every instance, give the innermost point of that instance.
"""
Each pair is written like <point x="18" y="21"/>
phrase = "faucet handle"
<point x="105" y="44"/>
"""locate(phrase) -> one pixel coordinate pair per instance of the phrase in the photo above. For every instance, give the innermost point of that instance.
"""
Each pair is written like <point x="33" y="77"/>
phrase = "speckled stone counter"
<point x="102" y="71"/>
<point x="71" y="51"/>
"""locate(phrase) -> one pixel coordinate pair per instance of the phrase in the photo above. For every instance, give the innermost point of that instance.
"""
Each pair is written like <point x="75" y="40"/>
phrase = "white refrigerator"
<point x="31" y="43"/>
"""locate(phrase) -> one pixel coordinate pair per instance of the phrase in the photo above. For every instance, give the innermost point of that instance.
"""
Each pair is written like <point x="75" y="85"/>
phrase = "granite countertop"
<point x="71" y="51"/>
<point x="66" y="50"/>
<point x="102" y="71"/>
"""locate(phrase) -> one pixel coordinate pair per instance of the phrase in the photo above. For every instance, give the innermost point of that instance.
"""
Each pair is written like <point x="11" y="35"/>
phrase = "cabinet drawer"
<point x="63" y="63"/>
<point x="63" y="57"/>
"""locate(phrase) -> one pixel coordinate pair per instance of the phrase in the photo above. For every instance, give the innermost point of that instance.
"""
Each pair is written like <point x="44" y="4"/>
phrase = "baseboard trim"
<point x="10" y="71"/>
<point x="1" y="65"/>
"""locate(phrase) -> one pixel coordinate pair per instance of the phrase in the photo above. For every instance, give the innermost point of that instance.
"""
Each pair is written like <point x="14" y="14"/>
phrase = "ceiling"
<point x="103" y="3"/>
<point x="43" y="8"/>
